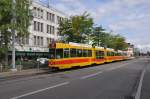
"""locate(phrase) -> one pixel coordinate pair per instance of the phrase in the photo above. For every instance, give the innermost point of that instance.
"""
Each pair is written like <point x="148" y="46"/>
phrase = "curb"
<point x="19" y="74"/>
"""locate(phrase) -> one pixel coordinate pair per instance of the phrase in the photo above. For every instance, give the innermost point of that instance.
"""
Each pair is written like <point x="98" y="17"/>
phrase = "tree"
<point x="118" y="43"/>
<point x="97" y="36"/>
<point x="77" y="28"/>
<point x="80" y="29"/>
<point x="108" y="40"/>
<point x="23" y="17"/>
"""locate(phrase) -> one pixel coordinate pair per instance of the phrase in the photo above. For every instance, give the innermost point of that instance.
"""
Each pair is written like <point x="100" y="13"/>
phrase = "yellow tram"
<point x="63" y="56"/>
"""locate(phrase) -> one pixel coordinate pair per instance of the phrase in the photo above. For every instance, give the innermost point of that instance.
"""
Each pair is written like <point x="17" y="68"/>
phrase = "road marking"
<point x="113" y="68"/>
<point x="138" y="93"/>
<point x="41" y="90"/>
<point x="91" y="75"/>
<point x="109" y="69"/>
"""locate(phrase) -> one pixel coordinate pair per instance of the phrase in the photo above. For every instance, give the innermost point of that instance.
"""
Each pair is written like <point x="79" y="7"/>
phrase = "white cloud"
<point x="70" y="7"/>
<point x="129" y="16"/>
<point x="69" y="0"/>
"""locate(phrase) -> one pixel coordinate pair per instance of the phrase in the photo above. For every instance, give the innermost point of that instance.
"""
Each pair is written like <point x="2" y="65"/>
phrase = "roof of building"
<point x="47" y="5"/>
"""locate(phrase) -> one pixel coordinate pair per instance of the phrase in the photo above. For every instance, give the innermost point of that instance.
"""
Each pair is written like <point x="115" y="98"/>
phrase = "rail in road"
<point x="109" y="81"/>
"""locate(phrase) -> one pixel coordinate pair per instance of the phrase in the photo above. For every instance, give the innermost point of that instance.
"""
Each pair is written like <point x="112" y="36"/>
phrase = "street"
<point x="108" y="81"/>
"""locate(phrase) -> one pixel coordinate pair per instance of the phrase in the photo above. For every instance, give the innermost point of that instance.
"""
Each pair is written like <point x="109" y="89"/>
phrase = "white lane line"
<point x="91" y="75"/>
<point x="117" y="67"/>
<point x="41" y="90"/>
<point x="109" y="69"/>
<point x="138" y="93"/>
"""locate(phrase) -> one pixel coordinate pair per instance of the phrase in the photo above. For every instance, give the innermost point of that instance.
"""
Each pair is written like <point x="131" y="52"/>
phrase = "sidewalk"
<point x="145" y="93"/>
<point x="29" y="72"/>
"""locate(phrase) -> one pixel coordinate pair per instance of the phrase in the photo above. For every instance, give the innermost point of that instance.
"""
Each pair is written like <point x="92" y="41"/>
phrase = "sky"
<point x="129" y="18"/>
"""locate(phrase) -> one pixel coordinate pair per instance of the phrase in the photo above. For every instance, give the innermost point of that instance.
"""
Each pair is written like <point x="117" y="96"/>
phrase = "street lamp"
<point x="13" y="35"/>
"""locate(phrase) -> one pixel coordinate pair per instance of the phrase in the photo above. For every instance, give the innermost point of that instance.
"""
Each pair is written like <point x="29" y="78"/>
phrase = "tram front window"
<point x="52" y="53"/>
<point x="59" y="53"/>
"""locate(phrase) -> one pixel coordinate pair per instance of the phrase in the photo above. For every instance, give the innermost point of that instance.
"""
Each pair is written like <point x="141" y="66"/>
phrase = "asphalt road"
<point x="110" y="81"/>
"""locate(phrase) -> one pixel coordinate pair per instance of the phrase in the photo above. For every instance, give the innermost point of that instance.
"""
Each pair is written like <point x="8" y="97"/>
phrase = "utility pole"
<point x="13" y="35"/>
<point x="48" y="3"/>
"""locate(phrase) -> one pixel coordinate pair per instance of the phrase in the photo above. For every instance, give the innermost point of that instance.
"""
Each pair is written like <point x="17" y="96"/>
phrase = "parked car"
<point x="42" y="60"/>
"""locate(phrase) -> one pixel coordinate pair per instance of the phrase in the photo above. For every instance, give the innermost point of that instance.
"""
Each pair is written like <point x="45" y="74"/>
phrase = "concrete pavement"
<point x="145" y="92"/>
<point x="109" y="81"/>
<point x="21" y="74"/>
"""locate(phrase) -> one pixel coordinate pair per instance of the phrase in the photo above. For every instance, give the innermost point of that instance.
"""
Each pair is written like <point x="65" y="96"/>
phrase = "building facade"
<point x="130" y="51"/>
<point x="43" y="29"/>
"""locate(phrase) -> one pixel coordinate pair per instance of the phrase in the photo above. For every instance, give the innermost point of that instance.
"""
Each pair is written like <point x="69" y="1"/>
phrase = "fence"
<point x="23" y="65"/>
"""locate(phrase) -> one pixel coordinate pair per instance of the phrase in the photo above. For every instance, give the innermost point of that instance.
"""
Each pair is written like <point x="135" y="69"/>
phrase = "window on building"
<point x="39" y="14"/>
<point x="35" y="12"/>
<point x="42" y="13"/>
<point x="59" y="19"/>
<point x="47" y="41"/>
<point x="23" y="41"/>
<point x="38" y="40"/>
<point x="53" y="18"/>
<point x="41" y="27"/>
<point x="38" y="26"/>
<point x="47" y="28"/>
<point x="35" y="40"/>
<point x="34" y="25"/>
<point x="50" y="17"/>
<point x="52" y="29"/>
<point x="41" y="41"/>
<point x="27" y="40"/>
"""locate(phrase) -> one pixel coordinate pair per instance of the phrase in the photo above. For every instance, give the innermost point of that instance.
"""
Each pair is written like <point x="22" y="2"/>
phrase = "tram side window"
<point x="101" y="54"/>
<point x="108" y="54"/>
<point x="112" y="54"/>
<point x="119" y="54"/>
<point x="52" y="53"/>
<point x="66" y="53"/>
<point x="89" y="53"/>
<point x="85" y="53"/>
<point x="73" y="53"/>
<point x="79" y="52"/>
<point x="97" y="55"/>
<point x="59" y="53"/>
<point x="116" y="54"/>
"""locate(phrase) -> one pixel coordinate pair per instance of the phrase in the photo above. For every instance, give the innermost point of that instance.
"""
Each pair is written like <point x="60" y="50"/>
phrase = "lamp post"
<point x="13" y="35"/>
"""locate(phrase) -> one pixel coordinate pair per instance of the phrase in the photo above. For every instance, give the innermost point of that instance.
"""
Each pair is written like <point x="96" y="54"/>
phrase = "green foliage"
<point x="23" y="17"/>
<point x="80" y="29"/>
<point x="97" y="36"/>
<point x="77" y="28"/>
<point x="118" y="43"/>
